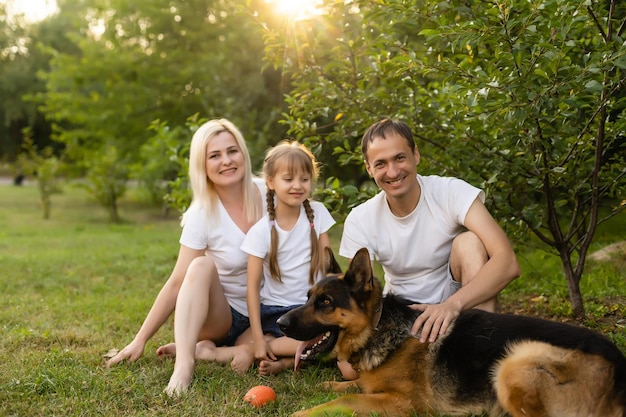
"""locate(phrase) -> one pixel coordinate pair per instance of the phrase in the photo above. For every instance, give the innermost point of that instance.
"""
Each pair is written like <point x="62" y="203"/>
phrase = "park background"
<point x="99" y="99"/>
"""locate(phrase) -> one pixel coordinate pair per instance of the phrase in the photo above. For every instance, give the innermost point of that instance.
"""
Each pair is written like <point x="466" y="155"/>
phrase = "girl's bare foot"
<point x="347" y="371"/>
<point x="240" y="357"/>
<point x="167" y="351"/>
<point x="267" y="368"/>
<point x="180" y="379"/>
<point x="243" y="357"/>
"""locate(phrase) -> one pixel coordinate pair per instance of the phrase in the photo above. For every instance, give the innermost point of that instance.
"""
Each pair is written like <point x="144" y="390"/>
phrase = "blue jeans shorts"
<point x="240" y="325"/>
<point x="453" y="286"/>
<point x="269" y="315"/>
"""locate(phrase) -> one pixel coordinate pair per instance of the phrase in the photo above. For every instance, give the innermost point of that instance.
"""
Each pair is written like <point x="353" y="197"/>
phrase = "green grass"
<point x="75" y="286"/>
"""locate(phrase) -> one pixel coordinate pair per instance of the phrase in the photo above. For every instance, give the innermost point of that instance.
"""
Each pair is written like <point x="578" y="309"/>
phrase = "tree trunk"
<point x="575" y="296"/>
<point x="573" y="285"/>
<point x="114" y="214"/>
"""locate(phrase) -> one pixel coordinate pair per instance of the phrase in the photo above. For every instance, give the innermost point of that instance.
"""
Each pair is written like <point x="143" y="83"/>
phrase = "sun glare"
<point x="297" y="9"/>
<point x="33" y="10"/>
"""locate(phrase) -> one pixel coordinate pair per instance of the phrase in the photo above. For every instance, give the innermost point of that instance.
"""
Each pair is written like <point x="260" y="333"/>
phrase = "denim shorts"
<point x="453" y="286"/>
<point x="240" y="325"/>
<point x="269" y="315"/>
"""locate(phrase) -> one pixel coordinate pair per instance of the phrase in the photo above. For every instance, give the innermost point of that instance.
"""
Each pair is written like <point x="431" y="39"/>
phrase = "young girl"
<point x="285" y="251"/>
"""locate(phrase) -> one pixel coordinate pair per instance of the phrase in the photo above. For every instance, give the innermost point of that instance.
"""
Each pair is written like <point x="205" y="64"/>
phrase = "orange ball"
<point x="260" y="395"/>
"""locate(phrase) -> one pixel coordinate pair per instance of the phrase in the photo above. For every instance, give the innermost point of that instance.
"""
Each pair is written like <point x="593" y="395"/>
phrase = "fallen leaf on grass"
<point x="111" y="353"/>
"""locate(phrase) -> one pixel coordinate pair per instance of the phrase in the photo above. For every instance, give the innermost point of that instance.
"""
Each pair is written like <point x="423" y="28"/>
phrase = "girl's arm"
<point x="324" y="241"/>
<point x="255" y="275"/>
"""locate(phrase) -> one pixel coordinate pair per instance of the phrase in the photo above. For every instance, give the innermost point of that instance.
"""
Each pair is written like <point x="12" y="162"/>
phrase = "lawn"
<point x="75" y="286"/>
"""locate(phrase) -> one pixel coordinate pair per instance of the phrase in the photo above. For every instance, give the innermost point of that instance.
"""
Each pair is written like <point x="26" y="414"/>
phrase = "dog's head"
<point x="340" y="311"/>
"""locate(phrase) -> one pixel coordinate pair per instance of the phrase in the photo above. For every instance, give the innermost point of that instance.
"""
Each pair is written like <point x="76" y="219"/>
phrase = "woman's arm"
<point x="162" y="307"/>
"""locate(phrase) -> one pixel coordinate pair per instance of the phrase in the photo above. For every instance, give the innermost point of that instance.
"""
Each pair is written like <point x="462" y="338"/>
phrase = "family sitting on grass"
<point x="251" y="248"/>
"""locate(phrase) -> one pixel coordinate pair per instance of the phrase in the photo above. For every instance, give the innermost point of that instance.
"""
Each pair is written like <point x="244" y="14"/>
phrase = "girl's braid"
<point x="273" y="253"/>
<point x="316" y="261"/>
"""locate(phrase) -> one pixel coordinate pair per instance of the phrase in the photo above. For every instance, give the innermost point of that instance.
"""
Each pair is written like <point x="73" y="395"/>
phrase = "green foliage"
<point x="158" y="161"/>
<point x="16" y="74"/>
<point x="134" y="64"/>
<point x="178" y="193"/>
<point x="340" y="197"/>
<point x="542" y="104"/>
<point x="25" y="51"/>
<point x="44" y="167"/>
<point x="525" y="99"/>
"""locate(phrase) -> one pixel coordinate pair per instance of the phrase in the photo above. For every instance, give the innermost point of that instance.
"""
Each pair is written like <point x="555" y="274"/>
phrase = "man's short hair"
<point x="384" y="127"/>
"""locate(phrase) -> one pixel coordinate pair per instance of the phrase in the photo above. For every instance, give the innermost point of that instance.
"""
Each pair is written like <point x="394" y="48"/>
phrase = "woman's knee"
<point x="201" y="268"/>
<point x="201" y="273"/>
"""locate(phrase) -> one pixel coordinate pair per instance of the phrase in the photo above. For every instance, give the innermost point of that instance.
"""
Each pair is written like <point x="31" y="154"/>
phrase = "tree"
<point x="26" y="51"/>
<point x="44" y="166"/>
<point x="551" y="79"/>
<point x="137" y="62"/>
<point x="523" y="98"/>
<point x="17" y="75"/>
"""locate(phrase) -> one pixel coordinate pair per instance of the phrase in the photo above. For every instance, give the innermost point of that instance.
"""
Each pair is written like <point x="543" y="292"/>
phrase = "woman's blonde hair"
<point x="292" y="156"/>
<point x="202" y="188"/>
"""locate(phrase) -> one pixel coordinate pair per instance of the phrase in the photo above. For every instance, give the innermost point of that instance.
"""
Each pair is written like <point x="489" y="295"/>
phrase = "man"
<point x="436" y="241"/>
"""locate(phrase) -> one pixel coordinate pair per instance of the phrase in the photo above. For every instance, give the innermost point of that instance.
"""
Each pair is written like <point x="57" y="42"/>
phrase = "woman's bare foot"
<point x="167" y="351"/>
<point x="243" y="357"/>
<point x="206" y="351"/>
<point x="267" y="368"/>
<point x="180" y="379"/>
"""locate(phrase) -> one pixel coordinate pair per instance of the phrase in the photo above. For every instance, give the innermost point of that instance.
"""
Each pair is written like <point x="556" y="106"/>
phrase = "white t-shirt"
<point x="294" y="256"/>
<point x="414" y="251"/>
<point x="223" y="243"/>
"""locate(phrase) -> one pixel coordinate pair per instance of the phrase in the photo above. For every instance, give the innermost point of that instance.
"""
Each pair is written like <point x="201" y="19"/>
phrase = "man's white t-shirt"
<point x="414" y="251"/>
<point x="223" y="243"/>
<point x="294" y="256"/>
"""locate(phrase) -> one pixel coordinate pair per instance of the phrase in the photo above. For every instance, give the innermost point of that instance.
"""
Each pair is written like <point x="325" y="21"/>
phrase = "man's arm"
<point x="500" y="268"/>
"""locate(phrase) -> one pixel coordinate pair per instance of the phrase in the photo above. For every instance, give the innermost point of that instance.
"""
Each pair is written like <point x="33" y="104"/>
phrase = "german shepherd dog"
<point x="485" y="363"/>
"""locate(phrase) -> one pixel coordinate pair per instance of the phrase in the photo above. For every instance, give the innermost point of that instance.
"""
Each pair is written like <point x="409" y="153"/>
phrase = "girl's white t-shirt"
<point x="294" y="256"/>
<point x="223" y="243"/>
<point x="414" y="251"/>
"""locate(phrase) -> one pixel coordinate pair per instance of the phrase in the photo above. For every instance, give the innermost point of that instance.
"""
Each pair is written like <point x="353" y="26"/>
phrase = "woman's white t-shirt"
<point x="294" y="256"/>
<point x="223" y="243"/>
<point x="414" y="251"/>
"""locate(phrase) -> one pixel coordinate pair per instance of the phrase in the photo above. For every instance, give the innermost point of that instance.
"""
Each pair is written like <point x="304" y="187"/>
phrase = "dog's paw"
<point x="341" y="386"/>
<point x="302" y="413"/>
<point x="329" y="385"/>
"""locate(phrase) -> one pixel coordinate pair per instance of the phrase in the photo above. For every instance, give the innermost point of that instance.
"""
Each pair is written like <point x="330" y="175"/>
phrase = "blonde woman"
<point x="207" y="286"/>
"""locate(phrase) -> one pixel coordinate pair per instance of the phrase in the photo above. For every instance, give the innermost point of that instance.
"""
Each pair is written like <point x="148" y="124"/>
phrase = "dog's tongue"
<point x="299" y="351"/>
<point x="301" y="348"/>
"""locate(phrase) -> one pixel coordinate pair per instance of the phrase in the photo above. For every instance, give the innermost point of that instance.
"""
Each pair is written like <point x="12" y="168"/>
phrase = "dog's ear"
<point x="360" y="275"/>
<point x="330" y="263"/>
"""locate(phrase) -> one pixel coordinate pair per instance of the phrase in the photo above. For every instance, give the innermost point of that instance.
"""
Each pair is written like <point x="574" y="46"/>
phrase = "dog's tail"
<point x="539" y="378"/>
<point x="619" y="378"/>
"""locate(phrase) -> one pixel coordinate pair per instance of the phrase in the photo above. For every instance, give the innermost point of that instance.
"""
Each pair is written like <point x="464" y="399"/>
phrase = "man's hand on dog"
<point x="434" y="320"/>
